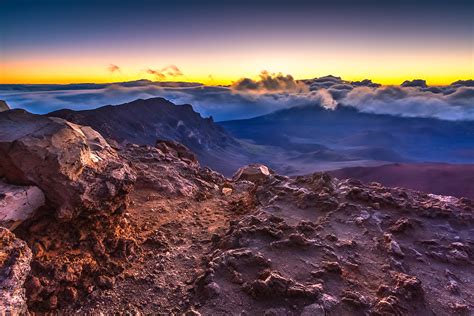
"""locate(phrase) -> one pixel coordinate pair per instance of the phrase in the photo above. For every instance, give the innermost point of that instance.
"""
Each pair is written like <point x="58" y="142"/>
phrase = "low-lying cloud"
<point x="413" y="102"/>
<point x="269" y="82"/>
<point x="248" y="98"/>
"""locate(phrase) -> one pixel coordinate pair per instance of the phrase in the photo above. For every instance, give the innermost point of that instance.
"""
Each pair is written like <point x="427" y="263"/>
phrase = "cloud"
<point x="466" y="83"/>
<point x="157" y="73"/>
<point x="413" y="102"/>
<point x="269" y="82"/>
<point x="172" y="71"/>
<point x="248" y="98"/>
<point x="414" y="83"/>
<point x="365" y="83"/>
<point x="168" y="71"/>
<point x="113" y="68"/>
<point x="325" y="82"/>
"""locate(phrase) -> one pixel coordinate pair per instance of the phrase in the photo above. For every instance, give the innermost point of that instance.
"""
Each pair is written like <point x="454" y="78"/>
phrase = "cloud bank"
<point x="269" y="82"/>
<point x="248" y="98"/>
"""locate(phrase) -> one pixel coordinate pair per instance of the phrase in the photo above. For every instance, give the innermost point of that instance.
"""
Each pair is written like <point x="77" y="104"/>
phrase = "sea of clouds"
<point x="252" y="97"/>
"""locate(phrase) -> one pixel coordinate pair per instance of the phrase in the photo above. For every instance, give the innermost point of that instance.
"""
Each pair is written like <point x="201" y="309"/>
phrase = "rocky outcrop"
<point x="73" y="165"/>
<point x="18" y="203"/>
<point x="172" y="170"/>
<point x="15" y="258"/>
<point x="256" y="173"/>
<point x="4" y="106"/>
<point x="177" y="150"/>
<point x="86" y="184"/>
<point x="316" y="245"/>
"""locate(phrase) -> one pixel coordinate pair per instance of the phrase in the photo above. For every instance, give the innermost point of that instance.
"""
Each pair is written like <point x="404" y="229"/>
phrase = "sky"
<point x="218" y="42"/>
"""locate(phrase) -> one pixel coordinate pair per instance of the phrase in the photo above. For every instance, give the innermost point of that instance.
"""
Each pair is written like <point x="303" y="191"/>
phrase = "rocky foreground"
<point x="90" y="228"/>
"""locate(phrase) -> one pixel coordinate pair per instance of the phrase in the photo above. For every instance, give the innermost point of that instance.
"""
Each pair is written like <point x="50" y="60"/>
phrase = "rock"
<point x="106" y="282"/>
<point x="192" y="312"/>
<point x="453" y="287"/>
<point x="329" y="301"/>
<point x="400" y="225"/>
<point x="333" y="267"/>
<point x="408" y="286"/>
<point x="256" y="173"/>
<point x="227" y="191"/>
<point x="212" y="290"/>
<point x="73" y="165"/>
<point x="177" y="150"/>
<point x="15" y="258"/>
<point x="313" y="310"/>
<point x="392" y="246"/>
<point x="4" y="106"/>
<point x="18" y="203"/>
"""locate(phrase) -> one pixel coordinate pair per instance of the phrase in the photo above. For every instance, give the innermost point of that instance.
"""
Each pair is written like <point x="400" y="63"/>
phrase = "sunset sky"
<point x="106" y="41"/>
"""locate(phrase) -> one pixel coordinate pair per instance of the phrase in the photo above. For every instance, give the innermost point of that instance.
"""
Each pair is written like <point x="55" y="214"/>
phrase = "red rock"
<point x="73" y="165"/>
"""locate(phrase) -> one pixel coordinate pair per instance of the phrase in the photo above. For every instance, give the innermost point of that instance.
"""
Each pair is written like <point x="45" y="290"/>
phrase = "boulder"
<point x="18" y="203"/>
<point x="15" y="258"/>
<point x="177" y="150"/>
<point x="256" y="173"/>
<point x="73" y="165"/>
<point x="4" y="106"/>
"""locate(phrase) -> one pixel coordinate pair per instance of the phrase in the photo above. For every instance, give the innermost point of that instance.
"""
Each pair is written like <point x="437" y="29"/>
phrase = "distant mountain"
<point x="294" y="141"/>
<point x="146" y="121"/>
<point x="443" y="179"/>
<point x="368" y="136"/>
<point x="80" y="86"/>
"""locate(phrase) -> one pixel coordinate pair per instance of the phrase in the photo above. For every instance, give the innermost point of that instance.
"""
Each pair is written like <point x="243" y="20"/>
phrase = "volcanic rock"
<point x="373" y="262"/>
<point x="18" y="203"/>
<point x="177" y="150"/>
<point x="256" y="173"/>
<point x="73" y="165"/>
<point x="15" y="258"/>
<point x="4" y="106"/>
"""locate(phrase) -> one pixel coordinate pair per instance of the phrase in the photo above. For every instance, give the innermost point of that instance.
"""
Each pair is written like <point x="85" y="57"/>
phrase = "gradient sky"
<point x="218" y="42"/>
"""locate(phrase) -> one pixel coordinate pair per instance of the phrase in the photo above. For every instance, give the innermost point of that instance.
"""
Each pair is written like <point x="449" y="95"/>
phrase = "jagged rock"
<point x="4" y="106"/>
<point x="162" y="169"/>
<point x="392" y="246"/>
<point x="18" y="203"/>
<point x="329" y="243"/>
<point x="73" y="165"/>
<point x="177" y="150"/>
<point x="15" y="258"/>
<point x="227" y="191"/>
<point x="256" y="173"/>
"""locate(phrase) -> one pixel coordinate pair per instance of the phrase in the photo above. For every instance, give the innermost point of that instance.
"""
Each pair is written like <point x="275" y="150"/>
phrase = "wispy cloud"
<point x="169" y="71"/>
<point x="113" y="68"/>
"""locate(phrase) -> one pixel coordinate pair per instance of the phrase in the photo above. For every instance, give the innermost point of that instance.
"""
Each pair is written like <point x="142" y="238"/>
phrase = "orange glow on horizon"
<point x="223" y="68"/>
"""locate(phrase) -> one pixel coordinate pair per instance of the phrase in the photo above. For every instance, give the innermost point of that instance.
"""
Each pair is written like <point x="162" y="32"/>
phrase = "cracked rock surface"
<point x="15" y="258"/>
<point x="316" y="245"/>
